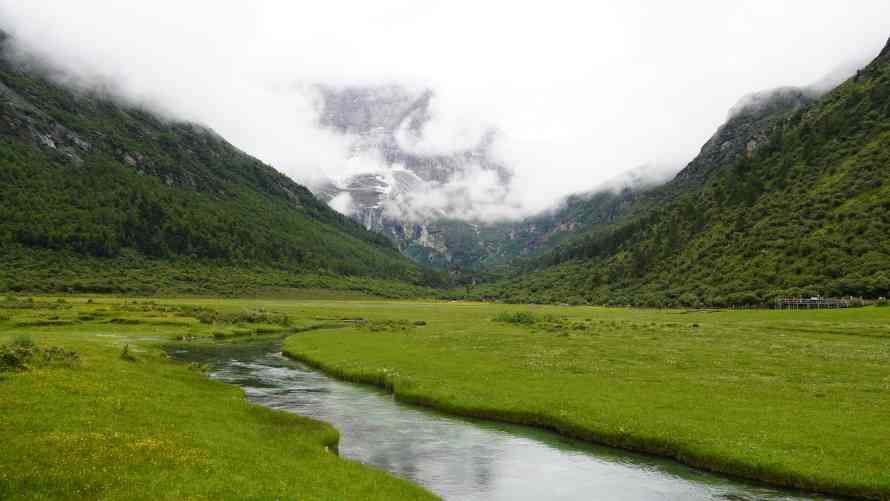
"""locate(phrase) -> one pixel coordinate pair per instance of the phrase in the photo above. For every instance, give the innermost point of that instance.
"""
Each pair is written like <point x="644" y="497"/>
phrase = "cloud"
<point x="447" y="128"/>
<point x="578" y="92"/>
<point x="342" y="203"/>
<point x="474" y="194"/>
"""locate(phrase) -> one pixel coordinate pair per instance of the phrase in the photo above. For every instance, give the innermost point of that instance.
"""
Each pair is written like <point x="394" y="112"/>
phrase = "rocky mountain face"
<point x="384" y="200"/>
<point x="746" y="128"/>
<point x="417" y="198"/>
<point x="390" y="198"/>
<point x="393" y="196"/>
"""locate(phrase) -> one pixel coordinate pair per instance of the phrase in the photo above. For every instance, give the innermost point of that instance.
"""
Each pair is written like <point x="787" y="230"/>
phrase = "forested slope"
<point x="800" y="204"/>
<point x="84" y="176"/>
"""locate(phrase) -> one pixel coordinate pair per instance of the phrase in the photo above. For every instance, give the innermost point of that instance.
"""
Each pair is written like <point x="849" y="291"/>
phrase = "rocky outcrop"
<point x="381" y="201"/>
<point x="180" y="154"/>
<point x="389" y="199"/>
<point x="746" y="128"/>
<point x="20" y="118"/>
<point x="884" y="56"/>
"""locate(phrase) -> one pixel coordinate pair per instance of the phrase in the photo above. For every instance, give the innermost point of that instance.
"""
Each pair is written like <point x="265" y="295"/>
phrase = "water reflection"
<point x="457" y="458"/>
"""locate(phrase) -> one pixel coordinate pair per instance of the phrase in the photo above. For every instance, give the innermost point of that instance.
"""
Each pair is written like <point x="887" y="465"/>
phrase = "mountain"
<point x="418" y="199"/>
<point x="414" y="194"/>
<point x="789" y="197"/>
<point x="87" y="179"/>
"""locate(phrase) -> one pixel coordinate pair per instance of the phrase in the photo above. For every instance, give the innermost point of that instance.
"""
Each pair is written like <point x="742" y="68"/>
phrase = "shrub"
<point x="23" y="354"/>
<point x="24" y="341"/>
<point x="126" y="321"/>
<point x="518" y="318"/>
<point x="125" y="354"/>
<point x="198" y="367"/>
<point x="14" y="357"/>
<point x="207" y="316"/>
<point x="385" y="325"/>
<point x="58" y="356"/>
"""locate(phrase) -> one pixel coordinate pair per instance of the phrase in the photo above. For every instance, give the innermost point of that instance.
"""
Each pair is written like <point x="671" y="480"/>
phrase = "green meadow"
<point x="91" y="406"/>
<point x="799" y="399"/>
<point x="105" y="424"/>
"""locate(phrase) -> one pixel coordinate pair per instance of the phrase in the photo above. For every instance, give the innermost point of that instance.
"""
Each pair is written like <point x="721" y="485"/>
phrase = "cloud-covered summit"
<point x="563" y="95"/>
<point x="410" y="161"/>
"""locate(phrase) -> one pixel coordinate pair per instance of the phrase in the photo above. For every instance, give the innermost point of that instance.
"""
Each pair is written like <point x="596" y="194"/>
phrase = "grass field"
<point x="101" y="427"/>
<point x="794" y="398"/>
<point x="800" y="399"/>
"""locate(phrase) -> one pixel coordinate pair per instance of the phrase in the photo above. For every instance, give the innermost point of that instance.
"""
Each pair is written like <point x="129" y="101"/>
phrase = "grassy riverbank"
<point x="80" y="421"/>
<point x="798" y="399"/>
<point x="794" y="398"/>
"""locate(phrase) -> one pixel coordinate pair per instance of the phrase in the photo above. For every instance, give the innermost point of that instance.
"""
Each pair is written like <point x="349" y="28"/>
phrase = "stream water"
<point x="462" y="459"/>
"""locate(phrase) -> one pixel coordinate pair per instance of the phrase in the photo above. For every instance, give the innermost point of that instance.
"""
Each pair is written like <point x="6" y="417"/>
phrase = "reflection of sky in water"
<point x="462" y="459"/>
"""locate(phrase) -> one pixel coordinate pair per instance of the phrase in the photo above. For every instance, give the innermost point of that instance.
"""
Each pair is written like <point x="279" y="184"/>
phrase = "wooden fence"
<point x="813" y="303"/>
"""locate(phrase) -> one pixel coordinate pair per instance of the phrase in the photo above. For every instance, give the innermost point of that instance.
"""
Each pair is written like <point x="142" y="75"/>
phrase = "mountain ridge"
<point x="86" y="175"/>
<point x="802" y="212"/>
<point x="469" y="245"/>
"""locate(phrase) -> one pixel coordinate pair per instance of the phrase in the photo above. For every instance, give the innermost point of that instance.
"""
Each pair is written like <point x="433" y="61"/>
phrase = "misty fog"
<point x="564" y="99"/>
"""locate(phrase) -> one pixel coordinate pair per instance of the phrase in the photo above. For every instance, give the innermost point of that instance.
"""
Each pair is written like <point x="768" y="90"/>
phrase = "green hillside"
<point x="486" y="249"/>
<point x="82" y="176"/>
<point x="797" y="204"/>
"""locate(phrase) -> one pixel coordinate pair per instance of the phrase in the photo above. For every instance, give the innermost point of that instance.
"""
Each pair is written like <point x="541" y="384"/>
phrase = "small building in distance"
<point x="801" y="303"/>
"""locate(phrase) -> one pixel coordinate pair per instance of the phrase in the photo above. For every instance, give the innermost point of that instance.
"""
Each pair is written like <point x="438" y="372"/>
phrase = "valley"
<point x="381" y="252"/>
<point x="793" y="392"/>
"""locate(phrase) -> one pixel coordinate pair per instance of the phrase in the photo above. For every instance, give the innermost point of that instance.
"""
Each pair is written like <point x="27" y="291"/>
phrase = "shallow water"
<point x="462" y="459"/>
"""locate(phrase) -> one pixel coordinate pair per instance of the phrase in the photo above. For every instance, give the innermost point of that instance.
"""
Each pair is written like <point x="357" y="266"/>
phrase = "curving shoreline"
<point x="402" y="390"/>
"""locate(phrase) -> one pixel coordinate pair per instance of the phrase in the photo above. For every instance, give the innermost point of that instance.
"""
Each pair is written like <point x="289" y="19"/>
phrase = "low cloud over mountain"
<point x="409" y="161"/>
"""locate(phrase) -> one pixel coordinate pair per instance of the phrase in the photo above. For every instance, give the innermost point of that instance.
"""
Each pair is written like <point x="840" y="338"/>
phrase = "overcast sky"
<point x="579" y="91"/>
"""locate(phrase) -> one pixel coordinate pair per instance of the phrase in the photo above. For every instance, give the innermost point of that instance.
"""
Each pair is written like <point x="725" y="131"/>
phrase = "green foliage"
<point x="259" y="316"/>
<point x="14" y="303"/>
<point x="385" y="325"/>
<point x="42" y="271"/>
<point x="550" y="323"/>
<point x="198" y="367"/>
<point x="490" y="251"/>
<point x="119" y="186"/>
<point x="24" y="354"/>
<point x="24" y="341"/>
<point x="518" y="317"/>
<point x="14" y="357"/>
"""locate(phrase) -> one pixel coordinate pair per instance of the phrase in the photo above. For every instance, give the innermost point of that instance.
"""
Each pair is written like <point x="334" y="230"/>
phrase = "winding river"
<point x="456" y="458"/>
